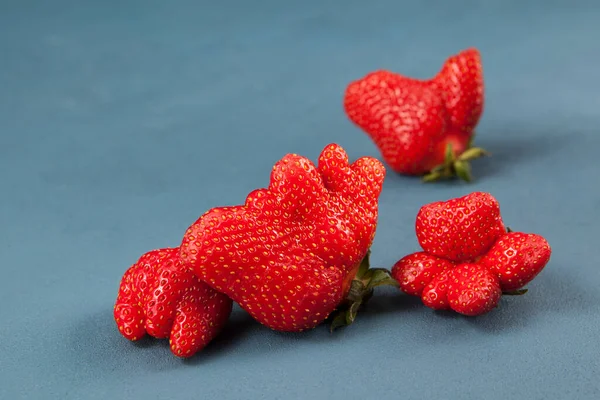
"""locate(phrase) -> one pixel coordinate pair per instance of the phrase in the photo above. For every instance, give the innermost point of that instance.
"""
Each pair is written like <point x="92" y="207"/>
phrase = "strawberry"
<point x="460" y="229"/>
<point x="415" y="271"/>
<point x="473" y="290"/>
<point x="160" y="297"/>
<point x="517" y="258"/>
<point x="292" y="253"/>
<point x="461" y="83"/>
<point x="435" y="294"/>
<point x="403" y="116"/>
<point x="422" y="127"/>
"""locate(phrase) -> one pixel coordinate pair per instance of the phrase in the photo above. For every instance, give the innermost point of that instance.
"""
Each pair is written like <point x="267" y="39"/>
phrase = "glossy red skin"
<point x="409" y="119"/>
<point x="460" y="81"/>
<point x="435" y="294"/>
<point x="473" y="290"/>
<point x="404" y="117"/>
<point x="159" y="297"/>
<point x="460" y="229"/>
<point x="414" y="271"/>
<point x="289" y="254"/>
<point x="517" y="258"/>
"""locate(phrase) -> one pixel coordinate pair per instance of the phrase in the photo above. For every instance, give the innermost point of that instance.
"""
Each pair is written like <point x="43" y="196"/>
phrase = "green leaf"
<point x="345" y="316"/>
<point x="463" y="170"/>
<point x="338" y="322"/>
<point x="518" y="292"/>
<point x="439" y="168"/>
<point x="432" y="176"/>
<point x="381" y="277"/>
<point x="364" y="265"/>
<point x="361" y="290"/>
<point x="449" y="157"/>
<point x="472" y="153"/>
<point x="352" y="311"/>
<point x="357" y="290"/>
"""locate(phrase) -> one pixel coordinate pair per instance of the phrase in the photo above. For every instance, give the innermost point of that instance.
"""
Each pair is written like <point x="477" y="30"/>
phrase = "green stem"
<point x="361" y="290"/>
<point x="455" y="166"/>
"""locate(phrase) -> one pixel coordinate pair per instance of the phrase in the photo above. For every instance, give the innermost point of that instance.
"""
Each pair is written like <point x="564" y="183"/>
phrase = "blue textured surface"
<point x="121" y="122"/>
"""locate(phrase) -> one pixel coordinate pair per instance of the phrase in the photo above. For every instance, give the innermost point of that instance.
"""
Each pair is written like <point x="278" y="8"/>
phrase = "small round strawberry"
<point x="473" y="290"/>
<point x="517" y="258"/>
<point x="414" y="271"/>
<point x="460" y="229"/>
<point x="404" y="117"/>
<point x="159" y="297"/>
<point x="435" y="294"/>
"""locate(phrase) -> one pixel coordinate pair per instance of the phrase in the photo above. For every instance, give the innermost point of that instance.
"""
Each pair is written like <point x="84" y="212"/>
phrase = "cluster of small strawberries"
<point x="296" y="253"/>
<point x="470" y="259"/>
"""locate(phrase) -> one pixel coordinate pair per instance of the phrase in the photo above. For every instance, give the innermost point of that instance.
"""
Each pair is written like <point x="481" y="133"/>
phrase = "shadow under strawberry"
<point x="515" y="151"/>
<point x="553" y="295"/>
<point x="390" y="301"/>
<point x="108" y="353"/>
<point x="239" y="327"/>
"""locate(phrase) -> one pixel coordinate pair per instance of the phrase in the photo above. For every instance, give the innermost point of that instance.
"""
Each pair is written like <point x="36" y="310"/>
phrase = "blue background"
<point x="122" y="122"/>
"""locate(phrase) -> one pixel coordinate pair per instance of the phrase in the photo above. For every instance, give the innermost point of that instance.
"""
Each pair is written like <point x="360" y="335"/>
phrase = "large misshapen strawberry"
<point x="290" y="255"/>
<point x="159" y="297"/>
<point x="422" y="127"/>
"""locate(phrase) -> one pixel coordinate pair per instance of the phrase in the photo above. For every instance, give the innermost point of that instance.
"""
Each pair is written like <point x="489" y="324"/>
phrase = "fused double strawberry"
<point x="161" y="298"/>
<point x="469" y="258"/>
<point x="423" y="127"/>
<point x="291" y="254"/>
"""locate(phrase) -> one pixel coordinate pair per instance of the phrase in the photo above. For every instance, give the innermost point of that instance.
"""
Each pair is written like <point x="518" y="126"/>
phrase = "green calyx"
<point x="361" y="290"/>
<point x="518" y="292"/>
<point x="454" y="165"/>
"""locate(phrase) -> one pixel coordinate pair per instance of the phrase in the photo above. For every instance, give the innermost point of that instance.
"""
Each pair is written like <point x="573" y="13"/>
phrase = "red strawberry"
<point x="460" y="229"/>
<point x="461" y="83"/>
<point x="517" y="258"/>
<point x="435" y="294"/>
<point x="290" y="254"/>
<point x="159" y="297"/>
<point x="473" y="290"/>
<point x="403" y="116"/>
<point x="414" y="271"/>
<point x="413" y="121"/>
